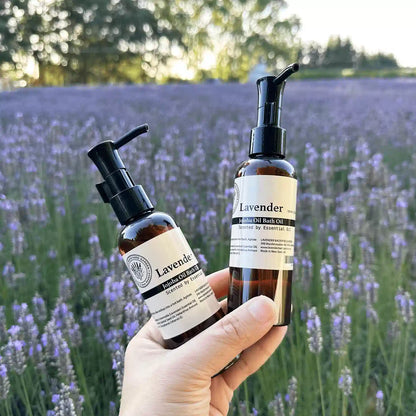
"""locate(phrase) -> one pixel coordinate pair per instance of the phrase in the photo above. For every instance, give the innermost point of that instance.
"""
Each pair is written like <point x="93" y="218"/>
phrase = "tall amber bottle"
<point x="264" y="211"/>
<point x="160" y="261"/>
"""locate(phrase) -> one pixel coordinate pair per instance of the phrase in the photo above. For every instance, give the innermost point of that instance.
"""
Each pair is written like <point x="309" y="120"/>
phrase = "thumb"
<point x="211" y="350"/>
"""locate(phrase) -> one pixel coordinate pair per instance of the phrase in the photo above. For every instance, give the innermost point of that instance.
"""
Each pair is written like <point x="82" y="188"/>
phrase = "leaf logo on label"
<point x="140" y="269"/>
<point x="236" y="197"/>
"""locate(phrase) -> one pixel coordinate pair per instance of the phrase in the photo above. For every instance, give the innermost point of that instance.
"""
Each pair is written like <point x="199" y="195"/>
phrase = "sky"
<point x="387" y="26"/>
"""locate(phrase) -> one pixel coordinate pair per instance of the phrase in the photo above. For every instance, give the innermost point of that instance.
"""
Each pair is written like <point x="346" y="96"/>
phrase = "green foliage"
<point x="377" y="61"/>
<point x="325" y="73"/>
<point x="250" y="31"/>
<point x="92" y="41"/>
<point x="340" y="54"/>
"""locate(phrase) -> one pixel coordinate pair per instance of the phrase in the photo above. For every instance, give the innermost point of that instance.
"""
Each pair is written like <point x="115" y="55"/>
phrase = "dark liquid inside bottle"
<point x="275" y="284"/>
<point x="144" y="229"/>
<point x="186" y="336"/>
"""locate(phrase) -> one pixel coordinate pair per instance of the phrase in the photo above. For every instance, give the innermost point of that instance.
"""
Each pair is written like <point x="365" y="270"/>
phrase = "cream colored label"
<point x="174" y="287"/>
<point x="263" y="224"/>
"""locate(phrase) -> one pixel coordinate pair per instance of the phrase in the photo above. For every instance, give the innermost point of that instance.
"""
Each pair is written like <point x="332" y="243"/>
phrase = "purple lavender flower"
<point x="201" y="259"/>
<point x="15" y="355"/>
<point x="112" y="409"/>
<point x="313" y="329"/>
<point x="399" y="245"/>
<point x="4" y="381"/>
<point x="345" y="382"/>
<point x="341" y="331"/>
<point x="380" y="403"/>
<point x="86" y="269"/>
<point x="3" y="329"/>
<point x="8" y="273"/>
<point x="404" y="305"/>
<point x="307" y="270"/>
<point x="92" y="218"/>
<point x="292" y="395"/>
<point x="39" y="308"/>
<point x="93" y="239"/>
<point x="327" y="277"/>
<point x="64" y="320"/>
<point x="58" y="352"/>
<point x="131" y="324"/>
<point x="64" y="402"/>
<point x="61" y="210"/>
<point x="277" y="406"/>
<point x="118" y="366"/>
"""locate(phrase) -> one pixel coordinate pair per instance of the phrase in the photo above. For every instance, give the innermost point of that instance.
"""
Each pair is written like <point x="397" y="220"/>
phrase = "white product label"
<point x="174" y="287"/>
<point x="263" y="224"/>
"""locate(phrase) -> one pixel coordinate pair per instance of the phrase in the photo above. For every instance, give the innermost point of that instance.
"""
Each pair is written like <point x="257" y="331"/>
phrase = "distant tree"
<point x="81" y="41"/>
<point x="99" y="36"/>
<point x="238" y="33"/>
<point x="30" y="29"/>
<point x="250" y="30"/>
<point x="7" y="38"/>
<point x="313" y="55"/>
<point x="377" y="61"/>
<point x="90" y="40"/>
<point x="339" y="53"/>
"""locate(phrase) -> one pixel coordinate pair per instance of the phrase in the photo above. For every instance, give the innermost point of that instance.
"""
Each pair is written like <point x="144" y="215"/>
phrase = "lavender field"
<point x="68" y="307"/>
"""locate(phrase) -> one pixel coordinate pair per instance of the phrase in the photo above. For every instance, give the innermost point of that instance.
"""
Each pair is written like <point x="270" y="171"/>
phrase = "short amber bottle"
<point x="160" y="261"/>
<point x="142" y="229"/>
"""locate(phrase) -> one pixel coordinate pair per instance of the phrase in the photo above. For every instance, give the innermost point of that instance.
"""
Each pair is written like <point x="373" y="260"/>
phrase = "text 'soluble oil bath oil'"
<point x="160" y="261"/>
<point x="264" y="210"/>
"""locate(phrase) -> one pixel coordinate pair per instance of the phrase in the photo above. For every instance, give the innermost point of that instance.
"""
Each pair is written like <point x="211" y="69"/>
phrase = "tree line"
<point x="340" y="53"/>
<point x="82" y="41"/>
<point x="97" y="41"/>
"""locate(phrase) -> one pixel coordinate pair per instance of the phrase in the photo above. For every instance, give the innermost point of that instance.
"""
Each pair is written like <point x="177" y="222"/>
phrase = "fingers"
<point x="254" y="357"/>
<point x="211" y="350"/>
<point x="219" y="282"/>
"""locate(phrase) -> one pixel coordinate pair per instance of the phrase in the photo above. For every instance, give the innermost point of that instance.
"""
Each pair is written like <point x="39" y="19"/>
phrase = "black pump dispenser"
<point x="269" y="138"/>
<point x="127" y="199"/>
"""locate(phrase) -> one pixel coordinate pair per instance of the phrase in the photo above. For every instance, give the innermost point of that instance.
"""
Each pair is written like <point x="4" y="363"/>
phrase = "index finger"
<point x="219" y="282"/>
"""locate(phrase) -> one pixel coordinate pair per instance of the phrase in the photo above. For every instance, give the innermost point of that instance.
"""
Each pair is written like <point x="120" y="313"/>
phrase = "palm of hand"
<point x="179" y="382"/>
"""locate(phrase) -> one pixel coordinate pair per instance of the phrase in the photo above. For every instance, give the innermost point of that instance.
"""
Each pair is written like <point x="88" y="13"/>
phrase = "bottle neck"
<point x="139" y="216"/>
<point x="268" y="140"/>
<point x="267" y="156"/>
<point x="131" y="203"/>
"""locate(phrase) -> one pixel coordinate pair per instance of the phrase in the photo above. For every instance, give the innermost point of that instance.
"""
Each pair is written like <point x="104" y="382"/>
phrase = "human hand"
<point x="161" y="382"/>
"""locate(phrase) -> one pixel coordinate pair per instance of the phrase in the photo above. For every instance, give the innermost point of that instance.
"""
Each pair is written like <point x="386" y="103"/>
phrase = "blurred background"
<point x="55" y="42"/>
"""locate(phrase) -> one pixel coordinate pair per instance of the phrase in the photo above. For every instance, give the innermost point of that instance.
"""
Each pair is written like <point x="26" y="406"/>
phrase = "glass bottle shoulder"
<point x="266" y="166"/>
<point x="144" y="229"/>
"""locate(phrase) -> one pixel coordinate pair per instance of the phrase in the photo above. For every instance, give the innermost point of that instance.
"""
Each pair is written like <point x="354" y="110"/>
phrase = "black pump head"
<point x="127" y="199"/>
<point x="269" y="138"/>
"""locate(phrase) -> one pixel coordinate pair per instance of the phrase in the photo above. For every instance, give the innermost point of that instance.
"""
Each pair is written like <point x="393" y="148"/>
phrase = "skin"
<point x="165" y="382"/>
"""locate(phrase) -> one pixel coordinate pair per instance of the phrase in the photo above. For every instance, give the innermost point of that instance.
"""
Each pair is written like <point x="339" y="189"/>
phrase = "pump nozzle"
<point x="269" y="138"/>
<point x="286" y="73"/>
<point x="127" y="199"/>
<point x="137" y="131"/>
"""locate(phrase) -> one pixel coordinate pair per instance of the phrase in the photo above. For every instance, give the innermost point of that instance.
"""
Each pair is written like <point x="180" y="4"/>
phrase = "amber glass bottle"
<point x="160" y="261"/>
<point x="263" y="224"/>
<point x="146" y="228"/>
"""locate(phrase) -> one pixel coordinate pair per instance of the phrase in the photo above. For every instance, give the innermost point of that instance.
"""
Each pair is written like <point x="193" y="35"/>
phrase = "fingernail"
<point x="263" y="309"/>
